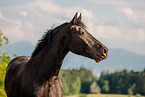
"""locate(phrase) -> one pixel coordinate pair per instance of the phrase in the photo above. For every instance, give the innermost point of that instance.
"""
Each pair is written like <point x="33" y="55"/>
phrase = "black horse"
<point x="38" y="75"/>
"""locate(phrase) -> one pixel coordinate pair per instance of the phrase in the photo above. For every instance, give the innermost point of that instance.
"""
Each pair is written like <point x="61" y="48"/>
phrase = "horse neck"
<point x="49" y="60"/>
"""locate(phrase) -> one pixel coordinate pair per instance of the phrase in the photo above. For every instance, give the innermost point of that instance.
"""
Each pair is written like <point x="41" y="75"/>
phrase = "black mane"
<point x="46" y="39"/>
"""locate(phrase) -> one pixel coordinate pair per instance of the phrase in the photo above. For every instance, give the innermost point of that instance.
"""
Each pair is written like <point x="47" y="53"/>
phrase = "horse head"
<point x="83" y="43"/>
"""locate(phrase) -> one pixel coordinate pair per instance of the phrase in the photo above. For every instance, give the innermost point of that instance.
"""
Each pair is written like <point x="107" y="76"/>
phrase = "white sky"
<point x="116" y="23"/>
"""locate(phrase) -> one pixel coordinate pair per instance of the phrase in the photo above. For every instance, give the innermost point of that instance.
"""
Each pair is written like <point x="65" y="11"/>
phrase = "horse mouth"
<point x="98" y="58"/>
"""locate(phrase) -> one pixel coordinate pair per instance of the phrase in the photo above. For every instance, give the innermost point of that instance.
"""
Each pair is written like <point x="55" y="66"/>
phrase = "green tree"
<point x="75" y="85"/>
<point x="86" y="80"/>
<point x="4" y="60"/>
<point x="94" y="88"/>
<point x="77" y="81"/>
<point x="71" y="81"/>
<point x="130" y="92"/>
<point x="64" y="82"/>
<point x="131" y="89"/>
<point x="104" y="84"/>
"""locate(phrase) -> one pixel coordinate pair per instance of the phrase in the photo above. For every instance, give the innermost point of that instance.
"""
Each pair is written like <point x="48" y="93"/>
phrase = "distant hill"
<point x="20" y="48"/>
<point x="118" y="59"/>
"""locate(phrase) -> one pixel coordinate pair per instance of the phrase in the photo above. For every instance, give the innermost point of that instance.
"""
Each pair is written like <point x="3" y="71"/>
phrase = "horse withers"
<point x="38" y="75"/>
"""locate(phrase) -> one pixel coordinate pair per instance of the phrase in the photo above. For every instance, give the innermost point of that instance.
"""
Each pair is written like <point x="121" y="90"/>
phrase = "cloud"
<point x="131" y="27"/>
<point x="121" y="3"/>
<point x="48" y="7"/>
<point x="132" y="10"/>
<point x="110" y="2"/>
<point x="17" y="34"/>
<point x="29" y="25"/>
<point x="135" y="35"/>
<point x="23" y="13"/>
<point x="118" y="33"/>
<point x="108" y="32"/>
<point x="45" y="5"/>
<point x="16" y="30"/>
<point x="129" y="13"/>
<point x="2" y="17"/>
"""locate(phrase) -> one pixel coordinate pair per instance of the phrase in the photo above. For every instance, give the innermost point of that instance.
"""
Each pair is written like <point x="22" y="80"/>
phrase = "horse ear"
<point x="74" y="20"/>
<point x="79" y="18"/>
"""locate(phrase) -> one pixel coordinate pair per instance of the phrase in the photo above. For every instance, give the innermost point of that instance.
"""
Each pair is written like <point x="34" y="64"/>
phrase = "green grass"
<point x="98" y="95"/>
<point x="107" y="95"/>
<point x="102" y="95"/>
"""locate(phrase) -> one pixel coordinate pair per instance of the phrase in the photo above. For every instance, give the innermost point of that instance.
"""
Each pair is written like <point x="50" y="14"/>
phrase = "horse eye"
<point x="80" y="32"/>
<point x="83" y="33"/>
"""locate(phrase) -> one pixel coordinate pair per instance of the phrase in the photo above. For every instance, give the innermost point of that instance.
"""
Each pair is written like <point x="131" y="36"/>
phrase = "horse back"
<point x="14" y="76"/>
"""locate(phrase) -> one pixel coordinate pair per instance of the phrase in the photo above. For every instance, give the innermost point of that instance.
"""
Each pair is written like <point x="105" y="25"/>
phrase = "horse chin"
<point x="98" y="60"/>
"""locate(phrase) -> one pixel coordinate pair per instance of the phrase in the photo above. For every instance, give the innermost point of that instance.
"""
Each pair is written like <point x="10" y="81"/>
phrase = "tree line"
<point x="123" y="82"/>
<point x="79" y="81"/>
<point x="83" y="81"/>
<point x="4" y="59"/>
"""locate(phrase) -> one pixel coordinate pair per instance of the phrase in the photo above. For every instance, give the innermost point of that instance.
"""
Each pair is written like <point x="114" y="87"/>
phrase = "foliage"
<point x="94" y="88"/>
<point x="86" y="80"/>
<point x="3" y="39"/>
<point x="130" y="92"/>
<point x="74" y="81"/>
<point x="103" y="95"/>
<point x="83" y="81"/>
<point x="124" y="82"/>
<point x="131" y="89"/>
<point x="104" y="84"/>
<point x="70" y="81"/>
<point x="4" y="60"/>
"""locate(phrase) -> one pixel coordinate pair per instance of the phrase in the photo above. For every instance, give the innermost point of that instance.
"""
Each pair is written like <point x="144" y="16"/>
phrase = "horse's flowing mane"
<point x="47" y="38"/>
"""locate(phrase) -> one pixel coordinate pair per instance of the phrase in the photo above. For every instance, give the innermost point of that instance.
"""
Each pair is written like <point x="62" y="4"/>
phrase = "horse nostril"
<point x="104" y="56"/>
<point x="104" y="53"/>
<point x="104" y="50"/>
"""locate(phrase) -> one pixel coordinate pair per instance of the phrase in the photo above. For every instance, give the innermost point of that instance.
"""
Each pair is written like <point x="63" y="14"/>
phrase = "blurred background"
<point x="119" y="24"/>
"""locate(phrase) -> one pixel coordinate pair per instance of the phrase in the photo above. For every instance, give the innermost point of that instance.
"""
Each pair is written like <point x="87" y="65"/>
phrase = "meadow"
<point x="104" y="95"/>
